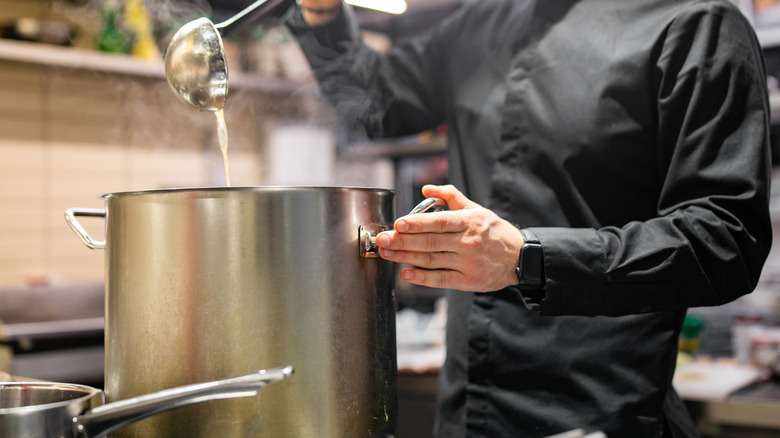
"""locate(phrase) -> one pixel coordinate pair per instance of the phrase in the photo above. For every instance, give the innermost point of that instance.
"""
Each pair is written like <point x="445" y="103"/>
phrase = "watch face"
<point x="530" y="269"/>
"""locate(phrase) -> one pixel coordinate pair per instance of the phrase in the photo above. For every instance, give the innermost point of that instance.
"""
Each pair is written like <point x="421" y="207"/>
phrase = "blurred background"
<point x="85" y="110"/>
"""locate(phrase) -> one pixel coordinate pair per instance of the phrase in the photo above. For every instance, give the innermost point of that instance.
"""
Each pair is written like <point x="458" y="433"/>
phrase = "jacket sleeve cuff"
<point x="574" y="267"/>
<point x="532" y="299"/>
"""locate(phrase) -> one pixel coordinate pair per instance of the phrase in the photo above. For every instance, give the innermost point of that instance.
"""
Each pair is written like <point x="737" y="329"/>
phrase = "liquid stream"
<point x="222" y="138"/>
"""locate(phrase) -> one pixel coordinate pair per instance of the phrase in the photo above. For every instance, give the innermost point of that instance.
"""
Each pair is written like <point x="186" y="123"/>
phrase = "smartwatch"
<point x="530" y="265"/>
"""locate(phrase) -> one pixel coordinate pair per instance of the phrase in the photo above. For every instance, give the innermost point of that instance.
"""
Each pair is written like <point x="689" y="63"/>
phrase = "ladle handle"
<point x="108" y="418"/>
<point x="70" y="217"/>
<point x="244" y="13"/>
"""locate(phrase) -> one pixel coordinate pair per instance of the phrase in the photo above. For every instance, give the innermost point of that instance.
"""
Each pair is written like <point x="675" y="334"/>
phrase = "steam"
<point x="150" y="116"/>
<point x="171" y="10"/>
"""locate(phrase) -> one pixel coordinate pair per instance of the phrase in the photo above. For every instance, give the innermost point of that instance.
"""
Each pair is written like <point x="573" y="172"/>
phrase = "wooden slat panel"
<point x="22" y="250"/>
<point x="24" y="150"/>
<point x="22" y="197"/>
<point x="22" y="8"/>
<point x="68" y="129"/>
<point x="95" y="94"/>
<point x="153" y="128"/>
<point x="20" y="160"/>
<point x="19" y="216"/>
<point x="87" y="159"/>
<point x="161" y="168"/>
<point x="85" y="107"/>
<point x="20" y="88"/>
<point x="16" y="187"/>
<point x="22" y="125"/>
<point x="21" y="255"/>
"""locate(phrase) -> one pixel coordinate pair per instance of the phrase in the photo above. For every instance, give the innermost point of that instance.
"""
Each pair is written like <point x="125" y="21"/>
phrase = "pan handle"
<point x="110" y="417"/>
<point x="70" y="218"/>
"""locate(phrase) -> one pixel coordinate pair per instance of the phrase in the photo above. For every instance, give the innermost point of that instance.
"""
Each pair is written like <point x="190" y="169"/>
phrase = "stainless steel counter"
<point x="51" y="303"/>
<point x="53" y="333"/>
<point x="752" y="412"/>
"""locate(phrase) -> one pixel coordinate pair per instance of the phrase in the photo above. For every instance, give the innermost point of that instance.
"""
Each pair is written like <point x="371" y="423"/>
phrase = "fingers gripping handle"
<point x="368" y="233"/>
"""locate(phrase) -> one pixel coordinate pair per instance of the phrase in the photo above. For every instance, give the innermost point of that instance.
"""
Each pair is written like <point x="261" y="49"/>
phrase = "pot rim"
<point x="88" y="391"/>
<point x="280" y="188"/>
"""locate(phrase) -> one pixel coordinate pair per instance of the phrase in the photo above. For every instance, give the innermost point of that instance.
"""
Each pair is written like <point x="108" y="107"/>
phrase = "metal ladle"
<point x="195" y="62"/>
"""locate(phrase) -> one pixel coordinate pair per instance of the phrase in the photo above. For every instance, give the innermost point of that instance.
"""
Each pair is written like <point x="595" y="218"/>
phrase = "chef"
<point x="610" y="168"/>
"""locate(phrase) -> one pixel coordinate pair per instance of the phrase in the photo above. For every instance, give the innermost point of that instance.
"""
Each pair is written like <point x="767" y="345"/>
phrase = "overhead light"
<point x="389" y="6"/>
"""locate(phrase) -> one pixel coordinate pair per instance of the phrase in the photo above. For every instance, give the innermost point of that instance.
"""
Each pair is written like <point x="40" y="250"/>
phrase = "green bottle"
<point x="112" y="39"/>
<point x="690" y="334"/>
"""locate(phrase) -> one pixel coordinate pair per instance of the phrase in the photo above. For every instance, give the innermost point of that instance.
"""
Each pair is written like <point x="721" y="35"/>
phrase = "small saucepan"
<point x="59" y="410"/>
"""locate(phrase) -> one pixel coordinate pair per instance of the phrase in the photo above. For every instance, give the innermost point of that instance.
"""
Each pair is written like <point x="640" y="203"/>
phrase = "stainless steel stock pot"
<point x="205" y="283"/>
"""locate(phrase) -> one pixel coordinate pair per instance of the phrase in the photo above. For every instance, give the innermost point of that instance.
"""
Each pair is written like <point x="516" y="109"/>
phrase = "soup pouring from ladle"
<point x="195" y="62"/>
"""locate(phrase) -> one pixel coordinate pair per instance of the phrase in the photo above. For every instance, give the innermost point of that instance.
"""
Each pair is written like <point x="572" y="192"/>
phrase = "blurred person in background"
<point x="610" y="168"/>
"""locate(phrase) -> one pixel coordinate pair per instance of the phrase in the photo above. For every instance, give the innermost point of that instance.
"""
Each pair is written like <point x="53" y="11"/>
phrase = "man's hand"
<point x="314" y="11"/>
<point x="467" y="248"/>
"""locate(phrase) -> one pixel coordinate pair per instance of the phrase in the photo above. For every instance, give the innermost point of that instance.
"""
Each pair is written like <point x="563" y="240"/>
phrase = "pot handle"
<point x="429" y="204"/>
<point x="70" y="218"/>
<point x="367" y="233"/>
<point x="110" y="417"/>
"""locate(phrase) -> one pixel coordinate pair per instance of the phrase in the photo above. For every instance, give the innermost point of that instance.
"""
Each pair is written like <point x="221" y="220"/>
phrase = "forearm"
<point x="386" y="94"/>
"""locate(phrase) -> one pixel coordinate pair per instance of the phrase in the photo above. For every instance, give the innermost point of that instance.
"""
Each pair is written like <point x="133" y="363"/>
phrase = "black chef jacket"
<point x="632" y="138"/>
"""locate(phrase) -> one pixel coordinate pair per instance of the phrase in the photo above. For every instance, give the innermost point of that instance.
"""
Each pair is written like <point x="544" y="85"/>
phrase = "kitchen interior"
<point x="85" y="110"/>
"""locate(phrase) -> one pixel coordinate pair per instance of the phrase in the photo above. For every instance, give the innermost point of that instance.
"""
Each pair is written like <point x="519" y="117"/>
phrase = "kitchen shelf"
<point x="400" y="147"/>
<point x="73" y="58"/>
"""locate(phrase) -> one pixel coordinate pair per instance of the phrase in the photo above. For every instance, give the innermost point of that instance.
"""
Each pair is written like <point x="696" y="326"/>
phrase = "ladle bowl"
<point x="195" y="65"/>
